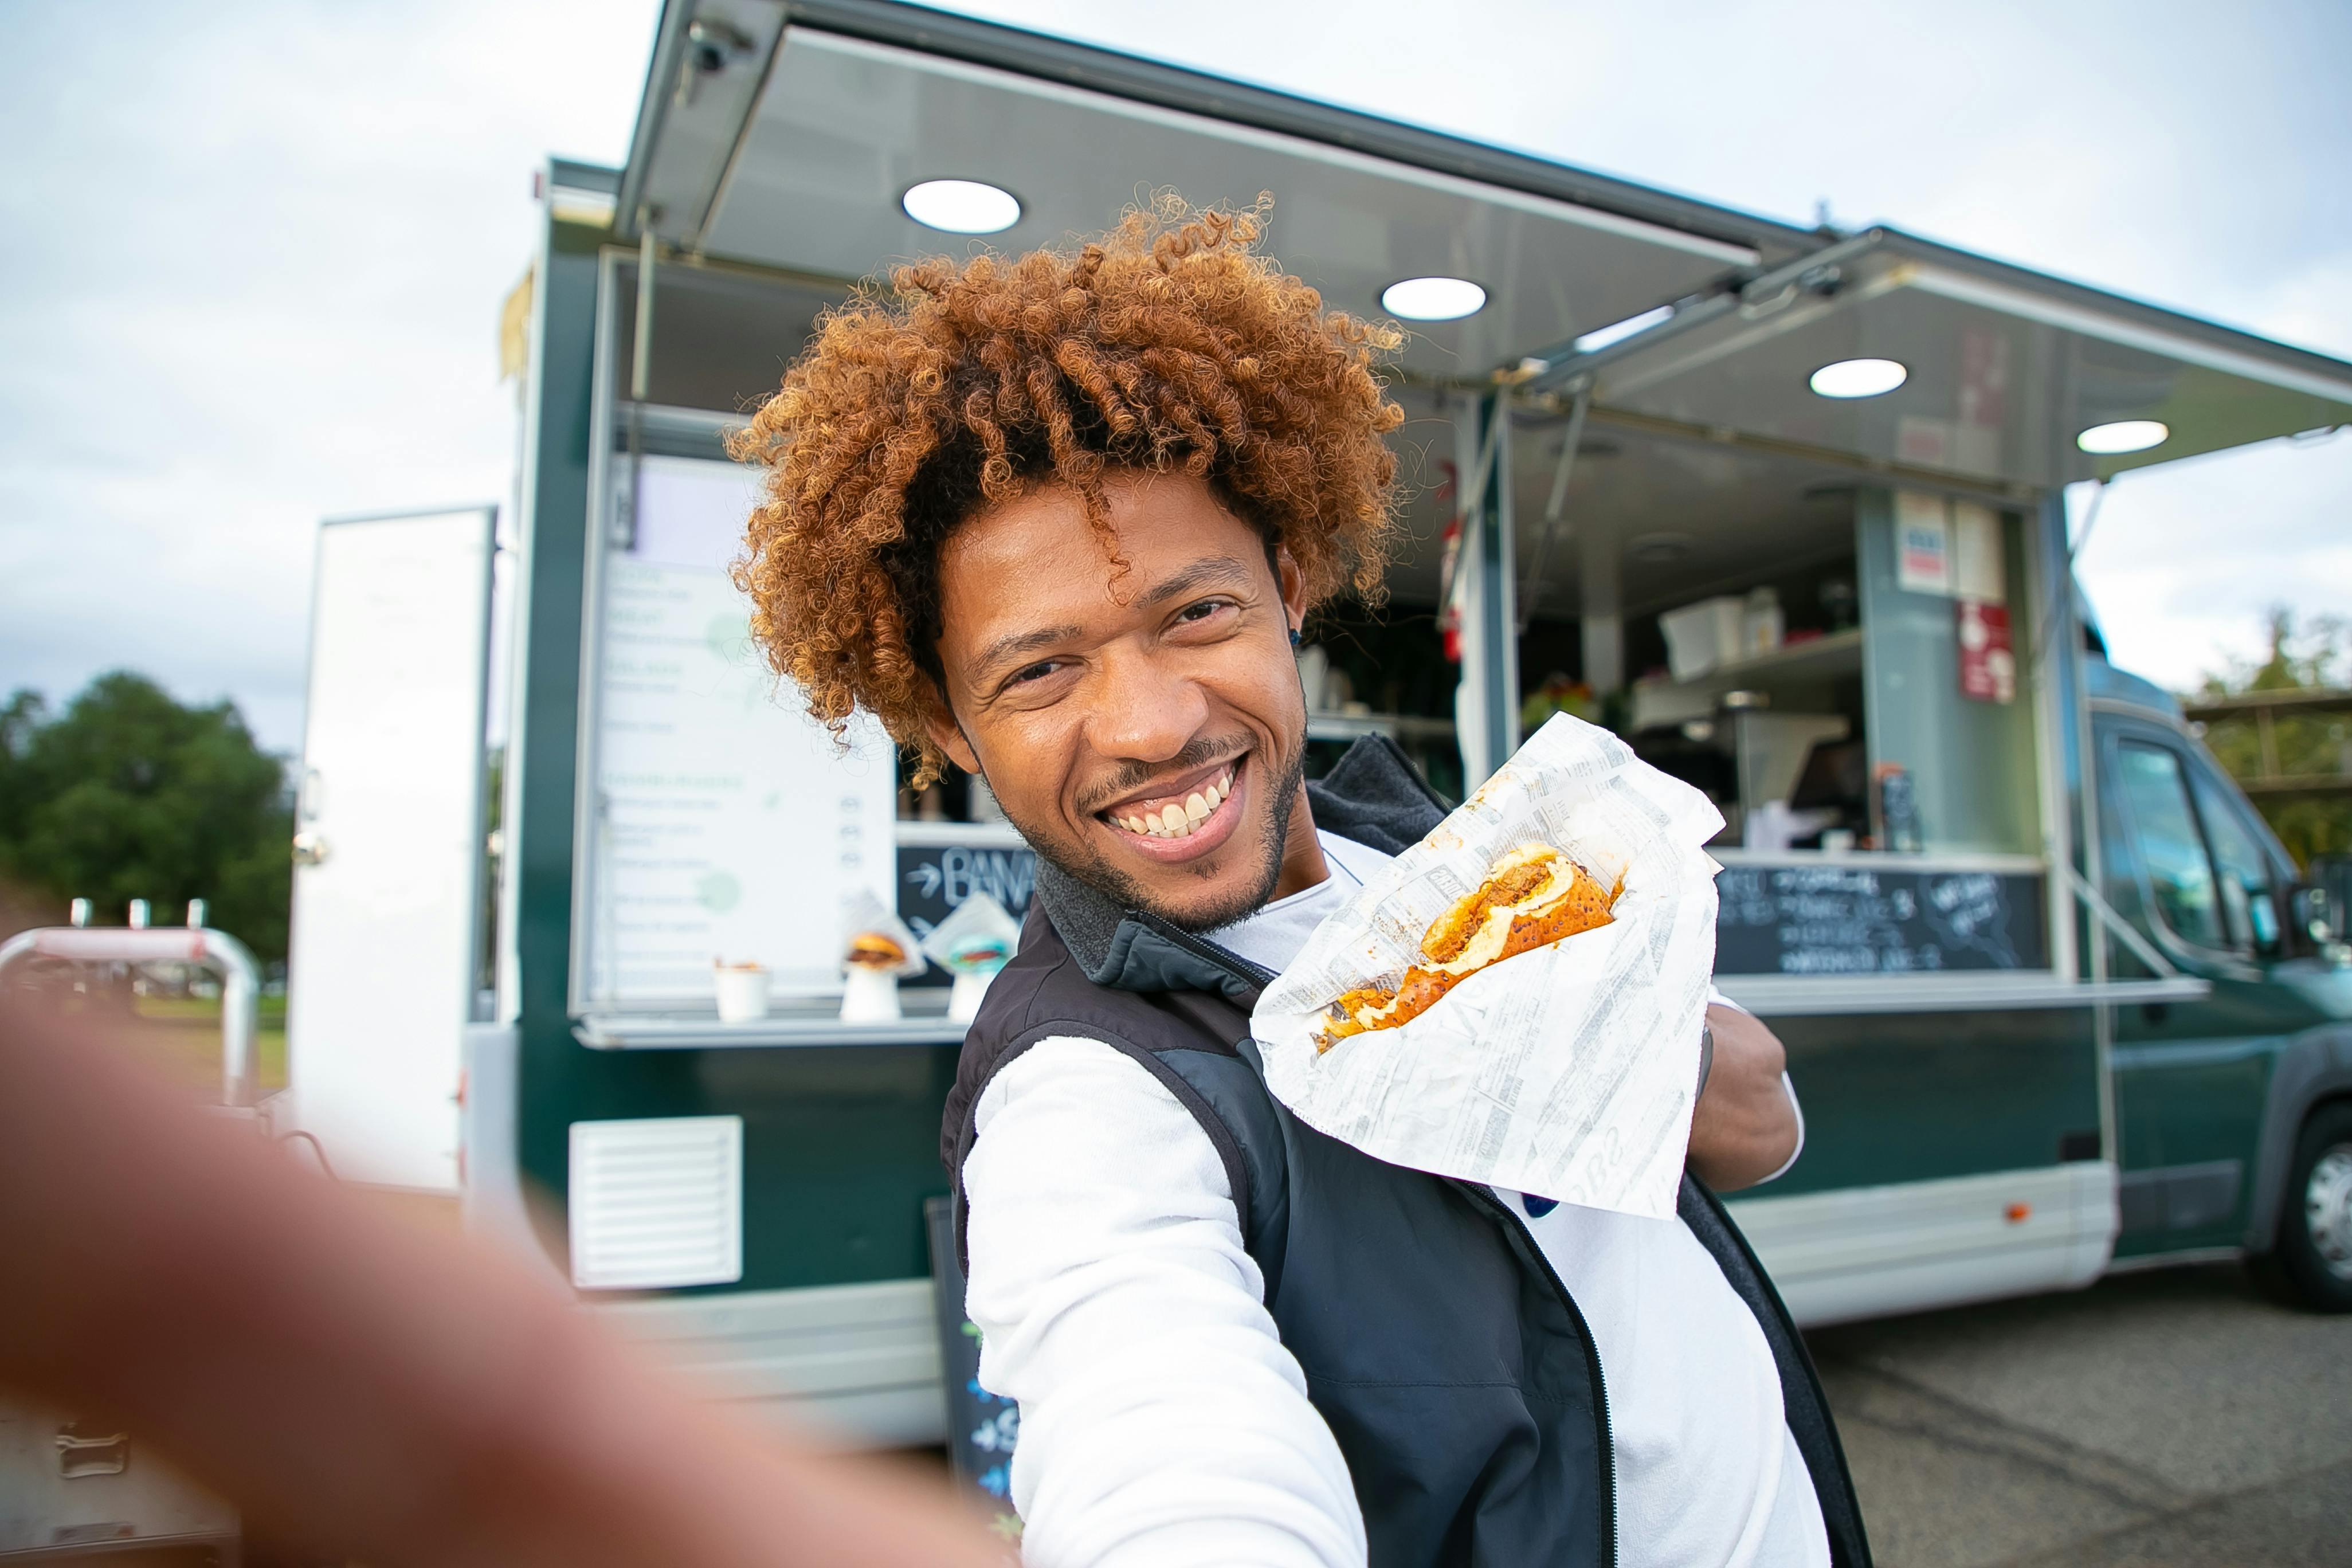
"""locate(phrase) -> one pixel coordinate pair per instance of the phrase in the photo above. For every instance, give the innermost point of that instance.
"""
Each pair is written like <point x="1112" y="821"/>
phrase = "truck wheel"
<point x="2312" y="1265"/>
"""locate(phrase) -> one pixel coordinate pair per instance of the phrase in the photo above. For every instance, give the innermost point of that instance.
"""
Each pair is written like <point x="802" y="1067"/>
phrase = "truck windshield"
<point x="2170" y="844"/>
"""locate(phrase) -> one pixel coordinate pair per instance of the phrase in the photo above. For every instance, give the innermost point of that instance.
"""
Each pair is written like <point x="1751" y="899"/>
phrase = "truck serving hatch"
<point x="2004" y="370"/>
<point x="784" y="136"/>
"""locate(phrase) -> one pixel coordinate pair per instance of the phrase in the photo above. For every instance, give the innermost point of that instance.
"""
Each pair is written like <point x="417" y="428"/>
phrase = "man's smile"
<point x="1181" y="817"/>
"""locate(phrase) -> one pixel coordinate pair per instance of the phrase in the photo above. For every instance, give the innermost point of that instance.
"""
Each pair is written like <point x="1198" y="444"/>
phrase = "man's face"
<point x="1145" y="731"/>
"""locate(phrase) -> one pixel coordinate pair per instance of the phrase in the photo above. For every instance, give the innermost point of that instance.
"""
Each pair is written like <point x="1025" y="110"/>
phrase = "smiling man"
<point x="1059" y="521"/>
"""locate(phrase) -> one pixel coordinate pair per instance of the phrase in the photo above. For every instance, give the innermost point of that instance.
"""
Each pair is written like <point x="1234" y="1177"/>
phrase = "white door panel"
<point x="381" y="972"/>
<point x="1871" y="1252"/>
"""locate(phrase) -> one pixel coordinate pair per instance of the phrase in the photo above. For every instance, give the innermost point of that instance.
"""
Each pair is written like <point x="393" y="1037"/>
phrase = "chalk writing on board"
<point x="1968" y="912"/>
<point x="952" y="874"/>
<point x="934" y="880"/>
<point x="1841" y="919"/>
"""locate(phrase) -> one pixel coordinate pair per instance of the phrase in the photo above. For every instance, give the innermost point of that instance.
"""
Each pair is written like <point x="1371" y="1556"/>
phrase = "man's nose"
<point x="1144" y="708"/>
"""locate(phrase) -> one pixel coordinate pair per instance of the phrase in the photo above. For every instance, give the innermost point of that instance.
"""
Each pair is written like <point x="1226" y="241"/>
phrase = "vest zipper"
<point x="1485" y="1198"/>
<point x="1207" y="951"/>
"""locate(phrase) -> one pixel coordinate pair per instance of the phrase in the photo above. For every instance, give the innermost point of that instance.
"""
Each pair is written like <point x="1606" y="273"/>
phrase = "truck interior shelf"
<point x="1814" y="658"/>
<point x="1326" y="725"/>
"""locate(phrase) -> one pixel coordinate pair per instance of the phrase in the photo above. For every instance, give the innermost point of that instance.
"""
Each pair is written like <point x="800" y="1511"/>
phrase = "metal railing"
<point x="217" y="950"/>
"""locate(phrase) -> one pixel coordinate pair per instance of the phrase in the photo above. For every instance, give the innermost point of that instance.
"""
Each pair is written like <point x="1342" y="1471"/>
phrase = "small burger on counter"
<point x="874" y="950"/>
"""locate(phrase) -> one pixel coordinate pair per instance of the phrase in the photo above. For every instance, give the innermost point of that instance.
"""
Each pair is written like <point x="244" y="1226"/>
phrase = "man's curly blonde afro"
<point x="1166" y="344"/>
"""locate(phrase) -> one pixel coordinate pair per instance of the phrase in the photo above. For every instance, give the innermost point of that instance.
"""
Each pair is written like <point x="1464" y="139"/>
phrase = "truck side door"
<point x="2190" y="1078"/>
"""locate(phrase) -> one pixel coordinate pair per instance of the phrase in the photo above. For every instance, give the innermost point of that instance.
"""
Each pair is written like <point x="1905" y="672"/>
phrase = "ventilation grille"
<point x="657" y="1202"/>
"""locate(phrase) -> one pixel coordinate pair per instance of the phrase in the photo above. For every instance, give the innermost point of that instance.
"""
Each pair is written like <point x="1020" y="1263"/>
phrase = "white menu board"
<point x="726" y="825"/>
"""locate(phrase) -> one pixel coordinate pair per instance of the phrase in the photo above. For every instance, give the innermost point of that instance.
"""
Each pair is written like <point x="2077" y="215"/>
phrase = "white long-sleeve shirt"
<point x="1162" y="1422"/>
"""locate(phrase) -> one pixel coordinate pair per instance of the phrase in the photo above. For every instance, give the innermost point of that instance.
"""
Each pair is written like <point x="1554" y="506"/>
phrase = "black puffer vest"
<point x="1444" y="1353"/>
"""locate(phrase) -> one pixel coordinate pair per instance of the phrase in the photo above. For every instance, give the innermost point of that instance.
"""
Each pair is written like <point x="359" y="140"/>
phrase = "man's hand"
<point x="367" y="1389"/>
<point x="1746" y="1127"/>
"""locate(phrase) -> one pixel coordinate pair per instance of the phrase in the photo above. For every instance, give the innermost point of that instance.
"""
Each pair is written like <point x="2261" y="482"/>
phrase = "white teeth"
<point x="1175" y="821"/>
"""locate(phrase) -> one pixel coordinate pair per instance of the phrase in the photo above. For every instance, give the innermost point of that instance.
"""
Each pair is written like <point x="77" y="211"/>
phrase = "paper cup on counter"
<point x="742" y="991"/>
<point x="1569" y="1072"/>
<point x="869" y="997"/>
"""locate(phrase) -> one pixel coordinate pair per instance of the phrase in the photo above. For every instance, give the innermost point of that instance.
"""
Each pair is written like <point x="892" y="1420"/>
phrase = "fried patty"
<point x="1549" y="899"/>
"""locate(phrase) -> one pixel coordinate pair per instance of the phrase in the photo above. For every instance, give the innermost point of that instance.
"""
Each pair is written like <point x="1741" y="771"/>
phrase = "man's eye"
<point x="1034" y="672"/>
<point x="1203" y="610"/>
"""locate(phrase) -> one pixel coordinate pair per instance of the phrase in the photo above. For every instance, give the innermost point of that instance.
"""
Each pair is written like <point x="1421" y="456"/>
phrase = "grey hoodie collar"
<point x="1373" y="796"/>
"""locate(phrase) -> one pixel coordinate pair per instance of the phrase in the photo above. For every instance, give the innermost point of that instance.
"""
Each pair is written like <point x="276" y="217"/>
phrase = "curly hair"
<point x="1166" y="345"/>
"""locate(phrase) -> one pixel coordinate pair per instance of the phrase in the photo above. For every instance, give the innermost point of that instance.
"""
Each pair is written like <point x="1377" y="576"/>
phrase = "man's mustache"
<point x="1133" y="776"/>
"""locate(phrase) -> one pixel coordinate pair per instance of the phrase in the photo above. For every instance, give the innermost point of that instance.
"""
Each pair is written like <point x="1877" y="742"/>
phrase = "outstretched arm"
<point x="1164" y="1423"/>
<point x="365" y="1390"/>
<point x="1746" y="1128"/>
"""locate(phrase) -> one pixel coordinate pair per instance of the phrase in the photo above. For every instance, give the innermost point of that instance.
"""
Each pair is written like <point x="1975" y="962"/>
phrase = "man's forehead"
<point x="1167" y="534"/>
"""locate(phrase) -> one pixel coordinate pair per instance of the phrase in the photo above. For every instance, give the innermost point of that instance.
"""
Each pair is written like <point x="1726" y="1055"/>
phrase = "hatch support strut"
<point x="2142" y="949"/>
<point x="1555" y="505"/>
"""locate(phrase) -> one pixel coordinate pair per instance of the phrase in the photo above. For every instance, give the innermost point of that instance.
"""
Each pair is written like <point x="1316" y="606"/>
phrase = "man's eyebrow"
<point x="1217" y="569"/>
<point x="1016" y="644"/>
<point x="1220" y="569"/>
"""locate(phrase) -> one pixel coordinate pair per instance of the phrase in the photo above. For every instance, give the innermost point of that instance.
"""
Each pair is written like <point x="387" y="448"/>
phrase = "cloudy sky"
<point x="254" y="253"/>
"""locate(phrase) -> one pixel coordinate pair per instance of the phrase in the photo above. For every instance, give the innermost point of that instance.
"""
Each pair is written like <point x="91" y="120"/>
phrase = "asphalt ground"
<point x="2178" y="1417"/>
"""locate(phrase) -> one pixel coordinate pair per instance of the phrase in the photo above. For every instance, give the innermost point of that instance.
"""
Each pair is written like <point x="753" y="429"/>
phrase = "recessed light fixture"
<point x="1433" y="298"/>
<point x="1859" y="377"/>
<point x="2124" y="436"/>
<point x="962" y="206"/>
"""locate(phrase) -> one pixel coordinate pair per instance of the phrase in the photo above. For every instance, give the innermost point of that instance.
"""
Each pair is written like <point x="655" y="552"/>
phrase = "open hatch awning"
<point x="784" y="133"/>
<point x="2005" y="369"/>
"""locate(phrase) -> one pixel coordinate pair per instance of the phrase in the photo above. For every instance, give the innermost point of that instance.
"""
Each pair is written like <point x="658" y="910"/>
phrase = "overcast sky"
<point x="253" y="254"/>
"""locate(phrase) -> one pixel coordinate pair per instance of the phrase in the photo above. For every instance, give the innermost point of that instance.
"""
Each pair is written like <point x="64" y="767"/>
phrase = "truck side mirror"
<point x="2315" y="916"/>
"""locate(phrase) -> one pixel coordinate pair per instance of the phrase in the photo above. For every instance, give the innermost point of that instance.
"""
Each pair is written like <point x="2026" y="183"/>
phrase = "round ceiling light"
<point x="1859" y="377"/>
<point x="1659" y="549"/>
<point x="962" y="206"/>
<point x="2124" y="436"/>
<point x="1433" y="298"/>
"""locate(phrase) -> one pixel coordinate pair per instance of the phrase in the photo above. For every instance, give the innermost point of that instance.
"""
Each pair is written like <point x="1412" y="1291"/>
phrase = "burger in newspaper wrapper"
<point x="979" y="937"/>
<point x="876" y="941"/>
<point x="1562" y="1066"/>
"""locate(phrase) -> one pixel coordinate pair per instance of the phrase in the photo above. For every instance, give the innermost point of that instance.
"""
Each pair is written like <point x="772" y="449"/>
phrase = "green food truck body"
<point x="2054" y="1000"/>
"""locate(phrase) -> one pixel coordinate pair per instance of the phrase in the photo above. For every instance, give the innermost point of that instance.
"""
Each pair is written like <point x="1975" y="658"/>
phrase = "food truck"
<point x="1782" y="505"/>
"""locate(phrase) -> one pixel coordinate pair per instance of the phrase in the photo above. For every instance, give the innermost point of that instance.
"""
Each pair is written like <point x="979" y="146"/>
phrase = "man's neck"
<point x="1303" y="866"/>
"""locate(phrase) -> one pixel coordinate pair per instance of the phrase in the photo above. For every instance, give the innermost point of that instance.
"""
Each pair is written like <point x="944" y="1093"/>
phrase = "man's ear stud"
<point x="1294" y="636"/>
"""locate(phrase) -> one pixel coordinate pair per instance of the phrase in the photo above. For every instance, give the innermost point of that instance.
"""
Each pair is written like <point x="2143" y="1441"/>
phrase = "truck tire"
<point x="2312" y="1263"/>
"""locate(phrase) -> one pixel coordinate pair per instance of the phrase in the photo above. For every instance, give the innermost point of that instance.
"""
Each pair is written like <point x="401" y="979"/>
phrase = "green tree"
<point x="2316" y="654"/>
<point x="131" y="795"/>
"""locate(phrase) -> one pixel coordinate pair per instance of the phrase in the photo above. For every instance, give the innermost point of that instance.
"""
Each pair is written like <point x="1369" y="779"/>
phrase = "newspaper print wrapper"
<point x="1568" y="1072"/>
<point x="863" y="915"/>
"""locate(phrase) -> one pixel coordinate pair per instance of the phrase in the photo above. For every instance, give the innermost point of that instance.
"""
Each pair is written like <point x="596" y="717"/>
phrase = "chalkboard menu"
<point x="933" y="878"/>
<point x="981" y="1426"/>
<point x="1839" y="917"/>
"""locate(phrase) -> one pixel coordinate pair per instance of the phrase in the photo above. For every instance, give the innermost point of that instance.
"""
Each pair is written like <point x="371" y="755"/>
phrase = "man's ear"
<point x="1292" y="583"/>
<point x="949" y="736"/>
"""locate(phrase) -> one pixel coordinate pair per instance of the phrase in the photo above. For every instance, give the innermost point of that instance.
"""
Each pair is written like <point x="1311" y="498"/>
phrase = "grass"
<point x="183" y="1037"/>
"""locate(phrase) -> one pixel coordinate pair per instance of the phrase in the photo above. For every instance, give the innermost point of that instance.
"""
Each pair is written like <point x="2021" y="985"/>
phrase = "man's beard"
<point x="1131" y="895"/>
